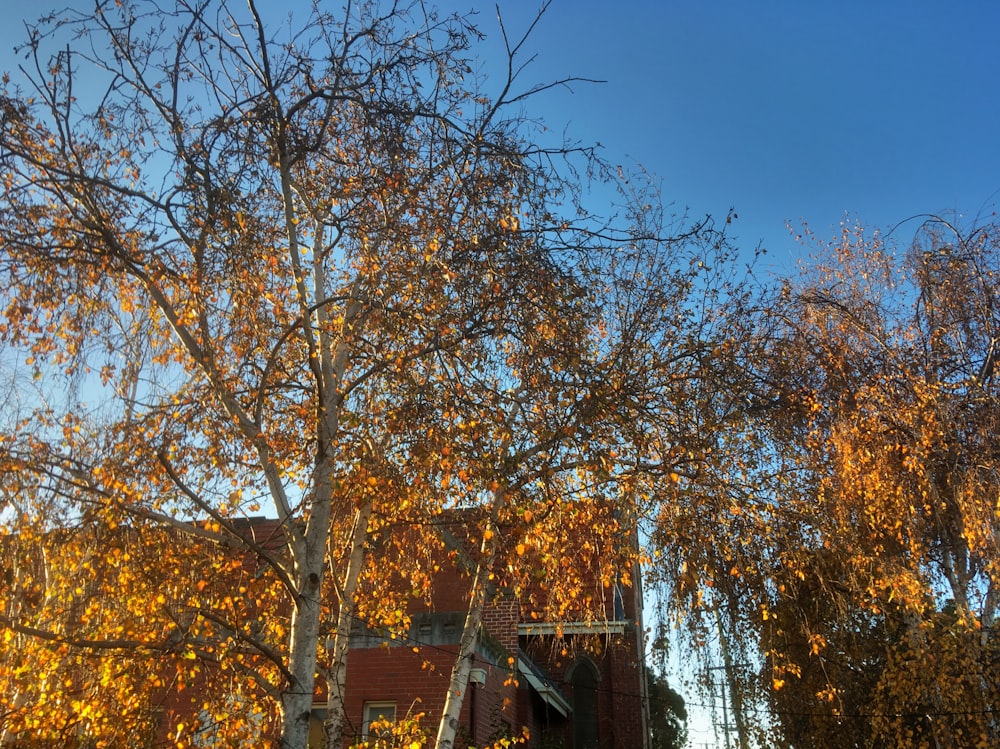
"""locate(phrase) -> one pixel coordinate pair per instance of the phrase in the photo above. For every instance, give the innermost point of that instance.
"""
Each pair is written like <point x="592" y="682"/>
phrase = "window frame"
<point x="367" y="719"/>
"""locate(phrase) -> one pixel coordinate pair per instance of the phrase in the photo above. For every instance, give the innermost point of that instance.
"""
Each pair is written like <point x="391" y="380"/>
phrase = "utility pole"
<point x="723" y="690"/>
<point x="730" y="682"/>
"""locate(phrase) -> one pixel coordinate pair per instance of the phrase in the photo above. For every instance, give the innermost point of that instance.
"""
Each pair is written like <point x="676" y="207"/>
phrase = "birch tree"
<point x="312" y="268"/>
<point x="279" y="250"/>
<point x="843" y="522"/>
<point x="897" y="406"/>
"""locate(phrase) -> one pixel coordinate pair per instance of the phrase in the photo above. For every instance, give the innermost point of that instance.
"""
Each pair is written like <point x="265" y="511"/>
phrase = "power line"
<point x="406" y="639"/>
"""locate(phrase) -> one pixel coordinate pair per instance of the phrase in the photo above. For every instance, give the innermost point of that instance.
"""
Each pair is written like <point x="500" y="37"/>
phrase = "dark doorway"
<point x="584" y="681"/>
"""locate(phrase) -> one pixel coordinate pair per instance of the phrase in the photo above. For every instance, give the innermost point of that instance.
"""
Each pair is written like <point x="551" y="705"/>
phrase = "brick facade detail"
<point x="503" y="699"/>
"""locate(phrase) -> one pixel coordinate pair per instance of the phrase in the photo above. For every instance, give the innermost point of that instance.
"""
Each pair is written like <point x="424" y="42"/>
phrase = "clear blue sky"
<point x="784" y="110"/>
<point x="781" y="109"/>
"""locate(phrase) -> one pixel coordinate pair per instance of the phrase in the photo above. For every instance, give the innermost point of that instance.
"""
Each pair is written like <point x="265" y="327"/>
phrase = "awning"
<point x="541" y="683"/>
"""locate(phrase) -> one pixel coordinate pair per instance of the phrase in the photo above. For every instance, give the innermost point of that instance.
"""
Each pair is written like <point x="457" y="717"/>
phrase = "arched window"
<point x="584" y="680"/>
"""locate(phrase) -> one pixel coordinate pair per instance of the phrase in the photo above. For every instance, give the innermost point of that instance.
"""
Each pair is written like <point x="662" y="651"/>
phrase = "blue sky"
<point x="786" y="111"/>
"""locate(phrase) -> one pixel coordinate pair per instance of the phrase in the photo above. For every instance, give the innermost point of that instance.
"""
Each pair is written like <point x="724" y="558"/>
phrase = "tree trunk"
<point x="297" y="697"/>
<point x="337" y="669"/>
<point x="448" y="727"/>
<point x="309" y="554"/>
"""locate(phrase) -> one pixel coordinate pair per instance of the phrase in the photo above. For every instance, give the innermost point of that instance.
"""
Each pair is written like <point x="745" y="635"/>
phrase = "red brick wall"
<point x="626" y="693"/>
<point x="418" y="682"/>
<point x="620" y="687"/>
<point x="494" y="705"/>
<point x="397" y="674"/>
<point x="500" y="619"/>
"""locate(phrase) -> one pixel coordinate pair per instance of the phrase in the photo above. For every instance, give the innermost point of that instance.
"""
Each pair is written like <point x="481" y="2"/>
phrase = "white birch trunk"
<point x="448" y="727"/>
<point x="336" y="712"/>
<point x="309" y="552"/>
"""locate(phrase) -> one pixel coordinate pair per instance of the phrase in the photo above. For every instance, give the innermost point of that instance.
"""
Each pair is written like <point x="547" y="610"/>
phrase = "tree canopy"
<point x="319" y="269"/>
<point x="853" y="562"/>
<point x="315" y="269"/>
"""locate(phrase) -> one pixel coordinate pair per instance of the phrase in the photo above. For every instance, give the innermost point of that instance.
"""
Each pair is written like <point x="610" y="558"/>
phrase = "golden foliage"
<point x="843" y="531"/>
<point x="327" y="280"/>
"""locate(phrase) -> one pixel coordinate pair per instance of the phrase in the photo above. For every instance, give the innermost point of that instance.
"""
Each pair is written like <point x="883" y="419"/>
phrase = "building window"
<point x="377" y="712"/>
<point x="584" y="681"/>
<point x="317" y="733"/>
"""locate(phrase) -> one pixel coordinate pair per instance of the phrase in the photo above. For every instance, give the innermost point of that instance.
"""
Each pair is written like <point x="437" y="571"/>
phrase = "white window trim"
<point x="375" y="704"/>
<point x="572" y="628"/>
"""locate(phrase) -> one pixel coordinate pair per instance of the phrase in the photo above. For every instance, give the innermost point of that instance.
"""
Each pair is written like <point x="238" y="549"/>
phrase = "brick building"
<point x="576" y="683"/>
<point x="571" y="684"/>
